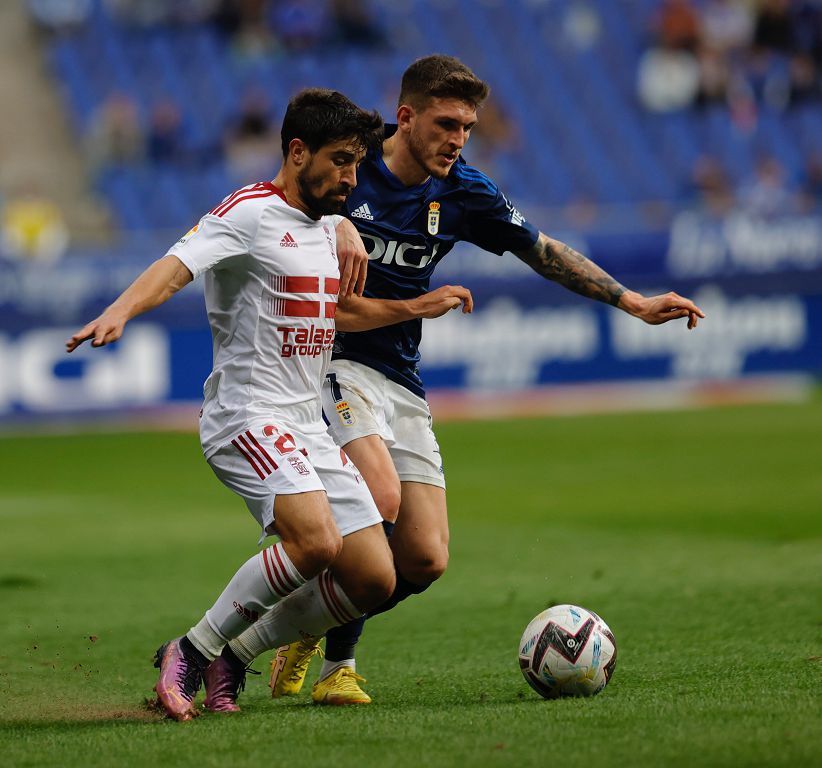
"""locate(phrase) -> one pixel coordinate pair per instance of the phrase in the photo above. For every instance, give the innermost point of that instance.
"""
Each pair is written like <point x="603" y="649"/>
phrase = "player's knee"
<point x="426" y="567"/>
<point x="376" y="587"/>
<point x="379" y="587"/>
<point x="319" y="550"/>
<point x="387" y="498"/>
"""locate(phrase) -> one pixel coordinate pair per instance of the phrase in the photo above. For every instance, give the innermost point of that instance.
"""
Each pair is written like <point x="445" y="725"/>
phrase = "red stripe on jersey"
<point x="231" y="197"/>
<point x="276" y="190"/>
<point x="332" y="285"/>
<point x="225" y="209"/>
<point x="283" y="570"/>
<point x="273" y="581"/>
<point x="330" y="308"/>
<point x="254" y="453"/>
<point x="260" y="186"/>
<point x="249" y="459"/>
<point x="248" y="189"/>
<point x="262" y="451"/>
<point x="302" y="284"/>
<point x="329" y="604"/>
<point x="294" y="308"/>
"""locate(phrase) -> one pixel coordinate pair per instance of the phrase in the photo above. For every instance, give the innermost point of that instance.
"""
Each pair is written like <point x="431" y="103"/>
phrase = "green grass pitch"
<point x="696" y="535"/>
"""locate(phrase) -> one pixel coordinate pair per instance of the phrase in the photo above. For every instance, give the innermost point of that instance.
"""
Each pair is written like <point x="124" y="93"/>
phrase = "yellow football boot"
<point x="340" y="688"/>
<point x="289" y="666"/>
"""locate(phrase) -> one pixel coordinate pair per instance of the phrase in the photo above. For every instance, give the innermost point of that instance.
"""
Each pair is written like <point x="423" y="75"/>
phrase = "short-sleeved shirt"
<point x="271" y="280"/>
<point x="408" y="231"/>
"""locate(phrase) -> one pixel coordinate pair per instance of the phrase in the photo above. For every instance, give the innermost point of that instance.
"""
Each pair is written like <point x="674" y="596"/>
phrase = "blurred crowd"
<point x="741" y="56"/>
<point x="253" y="27"/>
<point x="768" y="192"/>
<point x="118" y="138"/>
<point x="737" y="53"/>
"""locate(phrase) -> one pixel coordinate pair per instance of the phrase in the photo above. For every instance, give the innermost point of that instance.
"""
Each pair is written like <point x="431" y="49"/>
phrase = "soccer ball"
<point x="567" y="651"/>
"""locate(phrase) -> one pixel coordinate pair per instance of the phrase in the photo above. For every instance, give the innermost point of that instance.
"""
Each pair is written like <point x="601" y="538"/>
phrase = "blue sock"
<point x="341" y="641"/>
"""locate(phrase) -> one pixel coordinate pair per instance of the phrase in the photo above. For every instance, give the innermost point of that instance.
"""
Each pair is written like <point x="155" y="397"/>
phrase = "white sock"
<point x="257" y="586"/>
<point x="309" y="611"/>
<point x="205" y="639"/>
<point x="332" y="666"/>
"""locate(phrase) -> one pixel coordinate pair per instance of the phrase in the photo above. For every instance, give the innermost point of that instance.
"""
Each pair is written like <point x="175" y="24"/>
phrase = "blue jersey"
<point x="407" y="231"/>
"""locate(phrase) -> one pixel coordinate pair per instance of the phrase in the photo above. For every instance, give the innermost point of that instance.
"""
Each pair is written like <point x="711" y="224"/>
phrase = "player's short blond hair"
<point x="440" y="76"/>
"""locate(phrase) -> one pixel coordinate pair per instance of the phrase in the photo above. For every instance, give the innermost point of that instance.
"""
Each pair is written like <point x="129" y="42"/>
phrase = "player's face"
<point x="438" y="133"/>
<point x="328" y="175"/>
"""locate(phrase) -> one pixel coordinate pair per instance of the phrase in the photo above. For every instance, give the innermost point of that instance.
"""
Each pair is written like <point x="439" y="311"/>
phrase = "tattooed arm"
<point x="559" y="262"/>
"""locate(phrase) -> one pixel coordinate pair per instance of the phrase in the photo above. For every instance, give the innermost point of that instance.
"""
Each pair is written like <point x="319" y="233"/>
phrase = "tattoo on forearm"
<point x="562" y="264"/>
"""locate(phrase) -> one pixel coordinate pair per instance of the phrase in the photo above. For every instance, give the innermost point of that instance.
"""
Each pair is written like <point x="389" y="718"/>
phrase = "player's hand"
<point x="656" y="310"/>
<point x="353" y="259"/>
<point x="104" y="330"/>
<point x="437" y="303"/>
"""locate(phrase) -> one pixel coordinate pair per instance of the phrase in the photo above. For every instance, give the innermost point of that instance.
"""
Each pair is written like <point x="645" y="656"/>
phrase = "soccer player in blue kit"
<point x="416" y="198"/>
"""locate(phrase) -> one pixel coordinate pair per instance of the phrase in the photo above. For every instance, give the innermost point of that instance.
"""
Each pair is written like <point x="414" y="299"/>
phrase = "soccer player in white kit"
<point x="268" y="257"/>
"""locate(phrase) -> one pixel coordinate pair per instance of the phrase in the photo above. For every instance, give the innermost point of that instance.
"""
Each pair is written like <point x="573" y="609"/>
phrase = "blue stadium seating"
<point x="584" y="136"/>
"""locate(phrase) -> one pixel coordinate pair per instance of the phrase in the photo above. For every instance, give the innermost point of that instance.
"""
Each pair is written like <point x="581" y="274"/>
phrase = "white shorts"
<point x="265" y="460"/>
<point x="359" y="401"/>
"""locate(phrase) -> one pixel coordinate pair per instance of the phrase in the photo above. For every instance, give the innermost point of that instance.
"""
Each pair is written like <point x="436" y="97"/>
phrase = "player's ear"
<point x="297" y="151"/>
<point x="405" y="116"/>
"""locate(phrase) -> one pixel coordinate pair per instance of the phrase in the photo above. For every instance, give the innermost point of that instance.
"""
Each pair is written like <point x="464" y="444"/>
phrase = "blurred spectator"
<point x="353" y="24"/>
<point x="582" y="26"/>
<point x="148" y="13"/>
<point x="749" y="54"/>
<point x="668" y="74"/>
<point x="805" y="81"/>
<point x="727" y="26"/>
<point x="807" y="29"/>
<point x="245" y="24"/>
<point x="712" y="189"/>
<point x="165" y="140"/>
<point x="115" y="137"/>
<point x="301" y="24"/>
<point x="33" y="227"/>
<point x="810" y="193"/>
<point x="494" y="138"/>
<point x="677" y="25"/>
<point x="252" y="144"/>
<point x="715" y="76"/>
<point x="767" y="194"/>
<point x="59" y="15"/>
<point x="773" y="30"/>
<point x="667" y="79"/>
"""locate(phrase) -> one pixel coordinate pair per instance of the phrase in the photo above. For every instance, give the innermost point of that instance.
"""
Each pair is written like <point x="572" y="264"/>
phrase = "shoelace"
<point x="241" y="683"/>
<point x="190" y="677"/>
<point x="349" y="679"/>
<point x="302" y="665"/>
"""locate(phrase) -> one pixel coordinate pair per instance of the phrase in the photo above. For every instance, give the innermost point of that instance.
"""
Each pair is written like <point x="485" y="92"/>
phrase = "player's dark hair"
<point x="318" y="116"/>
<point x="444" y="77"/>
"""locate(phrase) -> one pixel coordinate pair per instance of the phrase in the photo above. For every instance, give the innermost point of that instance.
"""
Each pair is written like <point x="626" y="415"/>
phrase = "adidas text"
<point x="363" y="212"/>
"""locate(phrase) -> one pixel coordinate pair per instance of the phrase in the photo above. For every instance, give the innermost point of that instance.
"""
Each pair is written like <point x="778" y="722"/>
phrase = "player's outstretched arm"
<point x="559" y="262"/>
<point x="157" y="284"/>
<point x="353" y="259"/>
<point x="357" y="313"/>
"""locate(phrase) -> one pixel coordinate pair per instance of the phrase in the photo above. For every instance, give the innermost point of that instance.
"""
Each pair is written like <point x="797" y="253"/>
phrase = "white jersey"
<point x="271" y="283"/>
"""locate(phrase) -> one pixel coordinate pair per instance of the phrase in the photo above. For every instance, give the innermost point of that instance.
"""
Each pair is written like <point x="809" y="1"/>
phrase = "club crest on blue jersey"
<point x="433" y="218"/>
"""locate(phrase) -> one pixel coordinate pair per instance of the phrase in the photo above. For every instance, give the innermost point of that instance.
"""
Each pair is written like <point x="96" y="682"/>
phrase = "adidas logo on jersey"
<point x="288" y="241"/>
<point x="363" y="212"/>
